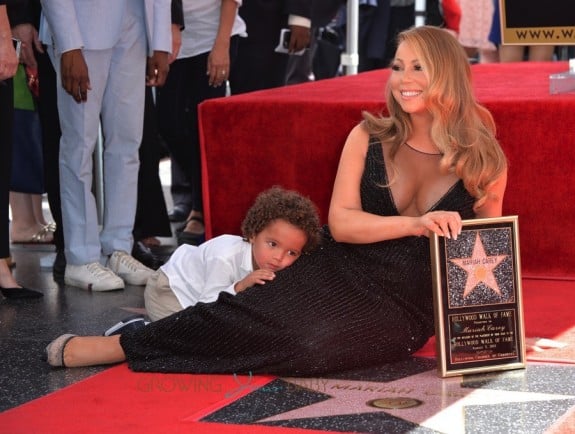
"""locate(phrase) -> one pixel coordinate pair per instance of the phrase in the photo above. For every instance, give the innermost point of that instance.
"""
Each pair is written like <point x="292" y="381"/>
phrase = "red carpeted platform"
<point x="293" y="136"/>
<point x="119" y="400"/>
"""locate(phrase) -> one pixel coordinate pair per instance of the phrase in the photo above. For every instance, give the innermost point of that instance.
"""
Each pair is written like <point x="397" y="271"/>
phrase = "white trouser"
<point x="117" y="80"/>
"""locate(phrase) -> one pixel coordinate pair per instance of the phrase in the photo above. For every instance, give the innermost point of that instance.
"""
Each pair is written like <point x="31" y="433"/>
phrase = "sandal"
<point x="43" y="236"/>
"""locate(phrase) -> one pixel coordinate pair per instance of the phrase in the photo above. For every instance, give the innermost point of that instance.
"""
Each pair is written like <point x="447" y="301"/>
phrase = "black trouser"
<point x="186" y="87"/>
<point x="50" y="122"/>
<point x="151" y="213"/>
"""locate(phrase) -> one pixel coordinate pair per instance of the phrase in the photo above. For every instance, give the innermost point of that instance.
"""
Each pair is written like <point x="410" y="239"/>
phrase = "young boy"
<point x="280" y="226"/>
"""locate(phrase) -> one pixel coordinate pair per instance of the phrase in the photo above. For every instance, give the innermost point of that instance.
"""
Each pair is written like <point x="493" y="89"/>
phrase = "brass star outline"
<point x="479" y="268"/>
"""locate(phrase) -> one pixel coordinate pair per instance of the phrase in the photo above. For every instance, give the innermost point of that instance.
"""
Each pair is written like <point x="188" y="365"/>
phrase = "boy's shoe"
<point x="130" y="323"/>
<point x="131" y="270"/>
<point x="93" y="277"/>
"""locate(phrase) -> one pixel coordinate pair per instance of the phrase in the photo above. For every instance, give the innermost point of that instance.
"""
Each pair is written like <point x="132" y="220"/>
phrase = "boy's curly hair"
<point x="278" y="203"/>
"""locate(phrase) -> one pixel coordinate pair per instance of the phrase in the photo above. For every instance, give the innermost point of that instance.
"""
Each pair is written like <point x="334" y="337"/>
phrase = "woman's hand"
<point x="443" y="223"/>
<point x="29" y="37"/>
<point x="8" y="58"/>
<point x="218" y="64"/>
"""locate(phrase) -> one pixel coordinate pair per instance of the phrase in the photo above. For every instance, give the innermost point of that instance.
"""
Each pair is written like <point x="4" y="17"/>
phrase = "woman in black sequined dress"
<point x="365" y="296"/>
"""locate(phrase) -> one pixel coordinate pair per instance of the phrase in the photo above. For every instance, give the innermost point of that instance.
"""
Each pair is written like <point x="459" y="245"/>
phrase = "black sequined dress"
<point x="345" y="306"/>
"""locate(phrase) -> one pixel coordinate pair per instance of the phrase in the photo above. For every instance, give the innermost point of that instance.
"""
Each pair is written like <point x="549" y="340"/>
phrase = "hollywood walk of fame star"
<point x="443" y="400"/>
<point x="479" y="268"/>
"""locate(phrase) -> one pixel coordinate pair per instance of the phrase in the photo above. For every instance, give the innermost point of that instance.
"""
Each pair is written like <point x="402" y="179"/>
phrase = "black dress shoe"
<point x="20" y="293"/>
<point x="178" y="214"/>
<point x="184" y="237"/>
<point x="144" y="254"/>
<point x="59" y="266"/>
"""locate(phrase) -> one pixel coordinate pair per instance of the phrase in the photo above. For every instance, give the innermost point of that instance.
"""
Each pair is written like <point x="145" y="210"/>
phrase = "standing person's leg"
<point x="38" y="211"/>
<point x="50" y="122"/>
<point x="511" y="53"/>
<point x="151" y="213"/>
<point x="8" y="285"/>
<point x="122" y="118"/>
<point x="28" y="227"/>
<point x="122" y="124"/>
<point x="177" y="117"/>
<point x="80" y="127"/>
<point x="6" y="115"/>
<point x="541" y="53"/>
<point x="181" y="193"/>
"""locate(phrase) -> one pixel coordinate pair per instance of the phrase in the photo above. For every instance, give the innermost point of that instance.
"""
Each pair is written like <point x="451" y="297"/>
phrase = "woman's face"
<point x="408" y="80"/>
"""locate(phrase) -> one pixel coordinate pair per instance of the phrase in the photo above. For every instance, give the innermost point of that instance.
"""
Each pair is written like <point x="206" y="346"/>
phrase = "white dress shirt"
<point x="200" y="273"/>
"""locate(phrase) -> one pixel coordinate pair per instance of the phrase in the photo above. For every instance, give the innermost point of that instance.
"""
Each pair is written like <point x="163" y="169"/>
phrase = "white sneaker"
<point x="131" y="270"/>
<point x="93" y="277"/>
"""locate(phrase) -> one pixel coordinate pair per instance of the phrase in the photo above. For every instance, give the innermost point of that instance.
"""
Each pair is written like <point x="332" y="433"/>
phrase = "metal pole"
<point x="420" y="9"/>
<point x="350" y="58"/>
<point x="98" y="176"/>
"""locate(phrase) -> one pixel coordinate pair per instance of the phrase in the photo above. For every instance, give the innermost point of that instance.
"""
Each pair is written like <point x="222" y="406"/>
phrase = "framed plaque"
<point x="477" y="298"/>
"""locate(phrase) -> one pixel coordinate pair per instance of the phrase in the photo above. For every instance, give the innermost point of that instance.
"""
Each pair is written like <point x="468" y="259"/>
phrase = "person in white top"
<point x="209" y="45"/>
<point x="280" y="226"/>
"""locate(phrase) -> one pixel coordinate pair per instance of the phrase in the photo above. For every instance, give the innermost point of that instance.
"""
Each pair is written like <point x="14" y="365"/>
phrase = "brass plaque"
<point x="477" y="298"/>
<point x="394" y="403"/>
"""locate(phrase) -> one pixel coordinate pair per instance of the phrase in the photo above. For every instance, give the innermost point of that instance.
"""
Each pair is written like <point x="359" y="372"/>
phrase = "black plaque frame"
<point x="477" y="298"/>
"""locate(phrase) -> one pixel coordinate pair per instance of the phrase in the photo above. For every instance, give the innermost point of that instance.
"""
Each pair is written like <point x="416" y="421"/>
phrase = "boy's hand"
<point x="257" y="277"/>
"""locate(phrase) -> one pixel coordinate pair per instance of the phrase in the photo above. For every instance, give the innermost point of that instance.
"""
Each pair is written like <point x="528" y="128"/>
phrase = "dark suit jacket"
<point x="323" y="11"/>
<point x="24" y="11"/>
<point x="265" y="18"/>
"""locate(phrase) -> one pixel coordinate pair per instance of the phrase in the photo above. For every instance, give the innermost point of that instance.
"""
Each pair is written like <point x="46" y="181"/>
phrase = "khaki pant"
<point x="159" y="299"/>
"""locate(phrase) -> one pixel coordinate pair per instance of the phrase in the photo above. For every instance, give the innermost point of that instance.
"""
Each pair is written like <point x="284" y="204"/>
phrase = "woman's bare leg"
<point x="93" y="350"/>
<point x="541" y="53"/>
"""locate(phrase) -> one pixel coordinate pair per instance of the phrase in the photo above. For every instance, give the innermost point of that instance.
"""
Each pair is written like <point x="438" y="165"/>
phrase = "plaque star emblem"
<point x="443" y="401"/>
<point x="479" y="268"/>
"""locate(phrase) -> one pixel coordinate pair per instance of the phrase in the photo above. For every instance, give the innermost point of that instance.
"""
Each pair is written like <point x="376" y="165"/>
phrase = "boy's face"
<point x="277" y="246"/>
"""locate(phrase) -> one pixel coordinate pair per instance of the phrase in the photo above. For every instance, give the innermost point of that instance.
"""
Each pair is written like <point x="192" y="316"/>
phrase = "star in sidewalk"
<point x="443" y="400"/>
<point x="479" y="268"/>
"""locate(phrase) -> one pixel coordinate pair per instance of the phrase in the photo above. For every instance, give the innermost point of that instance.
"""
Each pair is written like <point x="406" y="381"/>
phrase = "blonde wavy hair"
<point x="462" y="129"/>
